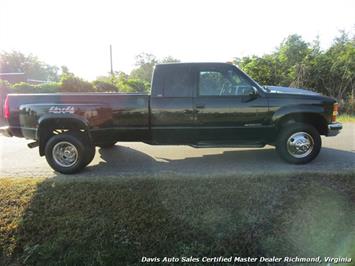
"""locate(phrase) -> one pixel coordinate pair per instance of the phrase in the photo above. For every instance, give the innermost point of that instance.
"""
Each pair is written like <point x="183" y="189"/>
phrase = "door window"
<point x="223" y="83"/>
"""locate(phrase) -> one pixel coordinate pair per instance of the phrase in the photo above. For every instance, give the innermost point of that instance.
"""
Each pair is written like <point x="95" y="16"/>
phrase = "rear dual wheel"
<point x="69" y="152"/>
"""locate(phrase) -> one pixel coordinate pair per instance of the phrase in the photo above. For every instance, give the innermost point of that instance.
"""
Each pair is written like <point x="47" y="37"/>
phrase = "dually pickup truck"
<point x="198" y="104"/>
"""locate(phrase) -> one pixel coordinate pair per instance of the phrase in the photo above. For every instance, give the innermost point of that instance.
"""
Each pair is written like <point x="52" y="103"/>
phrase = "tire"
<point x="90" y="154"/>
<point x="298" y="143"/>
<point x="69" y="152"/>
<point x="107" y="145"/>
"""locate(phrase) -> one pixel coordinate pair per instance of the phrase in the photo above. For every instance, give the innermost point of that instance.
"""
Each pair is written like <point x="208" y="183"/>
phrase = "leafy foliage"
<point x="138" y="85"/>
<point x="300" y="64"/>
<point x="145" y="65"/>
<point x="70" y="83"/>
<point x="16" y="62"/>
<point x="104" y="86"/>
<point x="121" y="82"/>
<point x="24" y="87"/>
<point x="334" y="70"/>
<point x="294" y="63"/>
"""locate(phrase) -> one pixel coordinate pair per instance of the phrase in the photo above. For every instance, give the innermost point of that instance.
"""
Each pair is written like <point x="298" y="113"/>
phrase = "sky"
<point x="78" y="33"/>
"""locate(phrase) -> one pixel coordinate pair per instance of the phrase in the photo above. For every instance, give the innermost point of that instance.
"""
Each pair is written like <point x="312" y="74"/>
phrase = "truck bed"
<point x="126" y="115"/>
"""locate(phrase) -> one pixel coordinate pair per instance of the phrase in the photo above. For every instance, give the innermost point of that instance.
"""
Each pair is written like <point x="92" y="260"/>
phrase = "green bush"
<point x="51" y="87"/>
<point x="71" y="83"/>
<point x="138" y="85"/>
<point x="103" y="86"/>
<point x="348" y="106"/>
<point x="24" y="87"/>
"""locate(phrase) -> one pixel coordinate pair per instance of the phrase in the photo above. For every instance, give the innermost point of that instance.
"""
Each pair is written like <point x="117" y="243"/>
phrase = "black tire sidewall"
<point x="90" y="153"/>
<point x="78" y="141"/>
<point x="284" y="135"/>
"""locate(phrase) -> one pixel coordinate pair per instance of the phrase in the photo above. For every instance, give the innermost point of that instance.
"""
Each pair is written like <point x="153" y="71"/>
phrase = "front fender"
<point x="300" y="110"/>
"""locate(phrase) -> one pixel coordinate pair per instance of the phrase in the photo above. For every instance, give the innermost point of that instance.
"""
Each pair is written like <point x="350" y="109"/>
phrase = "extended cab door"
<point x="171" y="105"/>
<point x="228" y="105"/>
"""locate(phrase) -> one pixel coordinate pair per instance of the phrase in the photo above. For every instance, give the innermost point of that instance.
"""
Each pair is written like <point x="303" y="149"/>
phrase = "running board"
<point x="228" y="145"/>
<point x="33" y="144"/>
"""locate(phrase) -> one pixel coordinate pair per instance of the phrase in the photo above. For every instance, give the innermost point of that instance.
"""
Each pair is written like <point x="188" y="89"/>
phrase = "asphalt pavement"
<point x="139" y="159"/>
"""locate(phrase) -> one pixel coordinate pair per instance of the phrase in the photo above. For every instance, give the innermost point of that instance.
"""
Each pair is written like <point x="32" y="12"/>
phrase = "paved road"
<point x="126" y="159"/>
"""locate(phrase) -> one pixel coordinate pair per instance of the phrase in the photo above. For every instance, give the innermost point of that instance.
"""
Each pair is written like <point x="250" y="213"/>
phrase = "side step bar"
<point x="33" y="144"/>
<point x="228" y="145"/>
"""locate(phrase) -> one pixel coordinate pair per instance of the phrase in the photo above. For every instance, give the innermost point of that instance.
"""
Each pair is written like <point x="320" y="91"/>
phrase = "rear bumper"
<point x="5" y="131"/>
<point x="334" y="129"/>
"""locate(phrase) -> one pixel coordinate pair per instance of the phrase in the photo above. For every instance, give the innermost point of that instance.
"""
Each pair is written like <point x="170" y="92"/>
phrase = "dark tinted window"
<point x="158" y="82"/>
<point x="178" y="81"/>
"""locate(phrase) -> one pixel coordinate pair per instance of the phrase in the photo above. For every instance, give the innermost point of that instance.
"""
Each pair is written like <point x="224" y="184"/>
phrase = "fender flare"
<point x="297" y="110"/>
<point x="58" y="122"/>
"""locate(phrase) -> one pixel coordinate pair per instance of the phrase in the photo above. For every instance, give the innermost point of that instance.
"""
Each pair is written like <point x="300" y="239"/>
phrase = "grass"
<point x="345" y="118"/>
<point x="63" y="221"/>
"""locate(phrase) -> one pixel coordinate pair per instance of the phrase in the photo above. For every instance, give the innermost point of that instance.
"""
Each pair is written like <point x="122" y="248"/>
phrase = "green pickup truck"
<point x="198" y="104"/>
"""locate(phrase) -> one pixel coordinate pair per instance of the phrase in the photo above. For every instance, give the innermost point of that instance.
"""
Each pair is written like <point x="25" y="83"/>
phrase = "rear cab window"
<point x="173" y="81"/>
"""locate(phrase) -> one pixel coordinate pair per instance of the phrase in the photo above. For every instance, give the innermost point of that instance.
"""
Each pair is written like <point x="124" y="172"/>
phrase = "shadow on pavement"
<point x="121" y="159"/>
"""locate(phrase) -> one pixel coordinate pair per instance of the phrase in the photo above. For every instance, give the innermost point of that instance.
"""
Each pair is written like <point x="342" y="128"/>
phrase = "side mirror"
<point x="251" y="94"/>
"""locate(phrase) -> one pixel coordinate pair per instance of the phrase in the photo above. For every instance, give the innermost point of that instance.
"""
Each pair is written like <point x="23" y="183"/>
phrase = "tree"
<point x="293" y="51"/>
<point x="262" y="69"/>
<point x="71" y="83"/>
<point x="145" y="65"/>
<point x="16" y="62"/>
<point x="65" y="72"/>
<point x="285" y="66"/>
<point x="300" y="64"/>
<point x="169" y="59"/>
<point x="333" y="71"/>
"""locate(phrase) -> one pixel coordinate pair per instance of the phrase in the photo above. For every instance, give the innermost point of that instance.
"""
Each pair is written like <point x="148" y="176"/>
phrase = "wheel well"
<point x="52" y="127"/>
<point x="316" y="120"/>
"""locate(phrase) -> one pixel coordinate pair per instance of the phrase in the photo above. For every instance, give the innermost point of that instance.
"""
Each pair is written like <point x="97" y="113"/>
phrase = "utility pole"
<point x="111" y="63"/>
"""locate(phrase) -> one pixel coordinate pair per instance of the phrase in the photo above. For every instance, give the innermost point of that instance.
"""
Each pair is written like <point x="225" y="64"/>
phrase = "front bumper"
<point x="5" y="131"/>
<point x="334" y="129"/>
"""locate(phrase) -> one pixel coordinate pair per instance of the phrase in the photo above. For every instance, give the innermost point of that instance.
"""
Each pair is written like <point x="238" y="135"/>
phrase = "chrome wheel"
<point x="300" y="144"/>
<point x="65" y="154"/>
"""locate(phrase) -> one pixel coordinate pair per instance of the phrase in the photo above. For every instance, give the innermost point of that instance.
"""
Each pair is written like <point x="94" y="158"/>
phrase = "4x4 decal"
<point x="62" y="110"/>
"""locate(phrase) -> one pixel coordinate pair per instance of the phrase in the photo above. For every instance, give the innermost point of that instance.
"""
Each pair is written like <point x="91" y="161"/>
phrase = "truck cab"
<point x="206" y="104"/>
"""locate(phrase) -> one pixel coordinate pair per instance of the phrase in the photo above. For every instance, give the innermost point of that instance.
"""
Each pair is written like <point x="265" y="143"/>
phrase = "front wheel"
<point x="69" y="152"/>
<point x="298" y="143"/>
